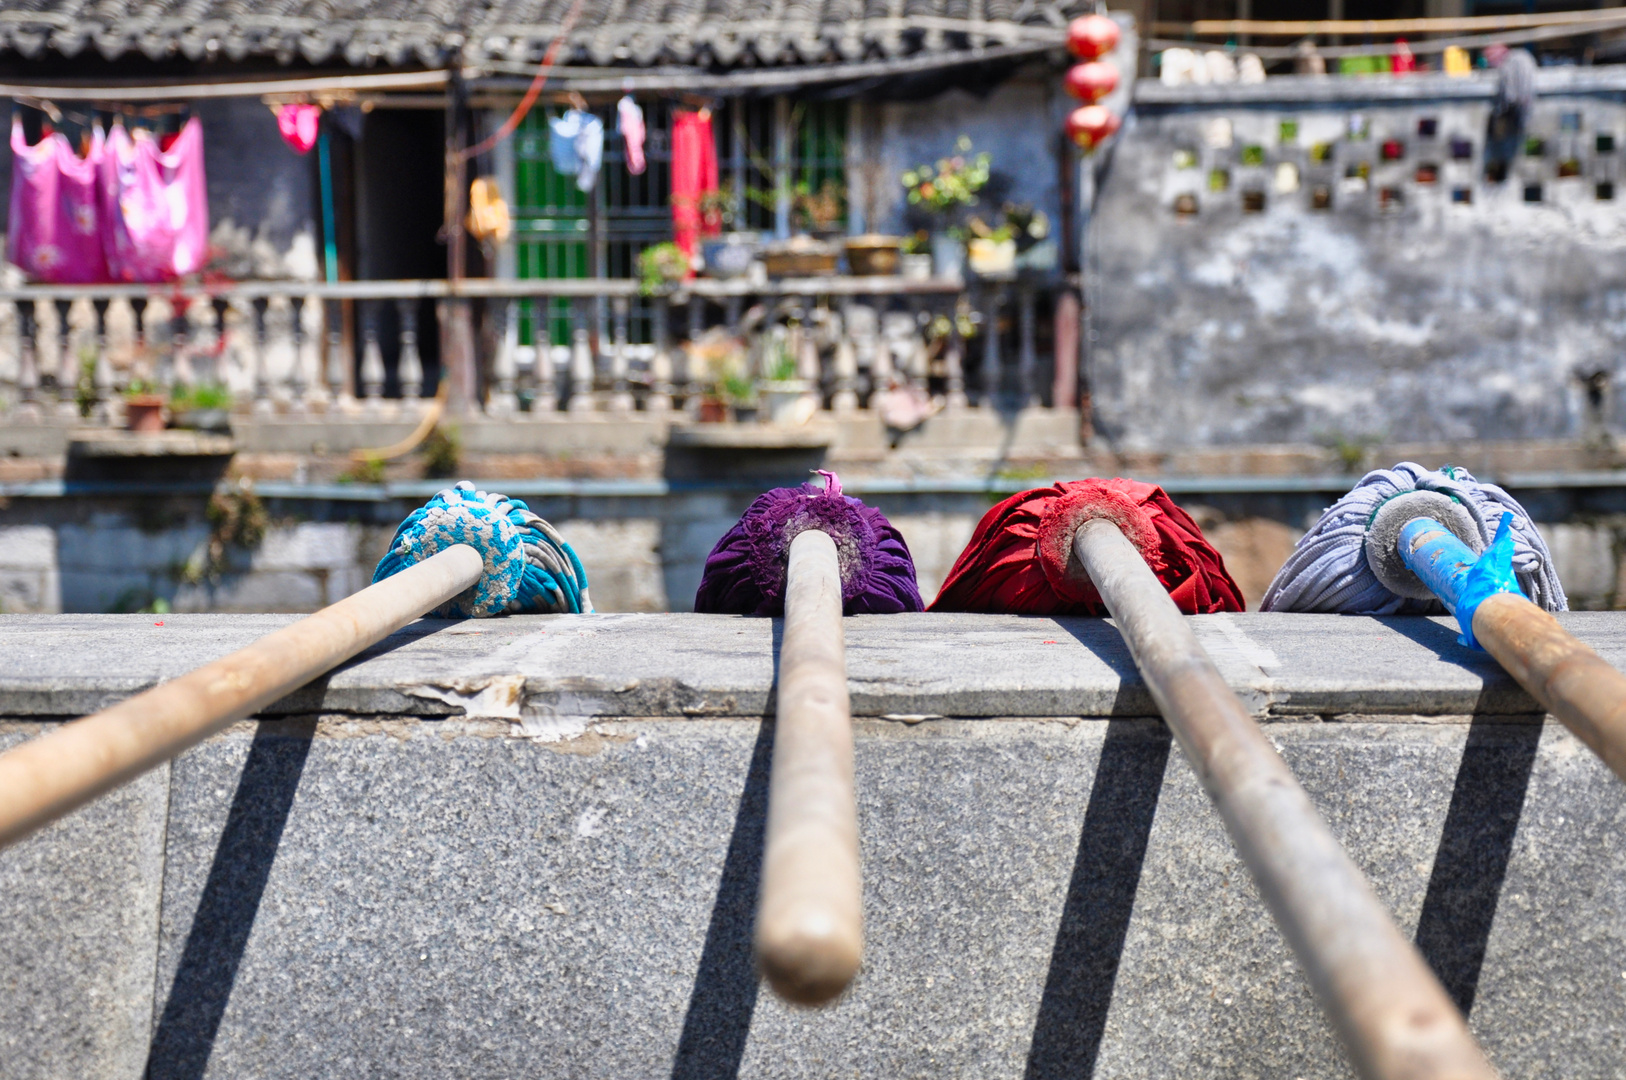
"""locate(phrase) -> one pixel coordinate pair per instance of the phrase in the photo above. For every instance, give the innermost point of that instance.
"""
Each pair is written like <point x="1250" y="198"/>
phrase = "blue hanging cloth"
<point x="577" y="147"/>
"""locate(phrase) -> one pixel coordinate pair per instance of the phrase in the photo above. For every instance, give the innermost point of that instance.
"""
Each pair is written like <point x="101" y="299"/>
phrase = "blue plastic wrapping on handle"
<point x="1453" y="573"/>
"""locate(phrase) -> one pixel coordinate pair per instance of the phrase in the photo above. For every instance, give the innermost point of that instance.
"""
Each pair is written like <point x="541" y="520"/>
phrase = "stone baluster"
<point x="28" y="370"/>
<point x="220" y="306"/>
<point x="409" y="367"/>
<point x="808" y="366"/>
<point x="845" y="362"/>
<point x="733" y="307"/>
<point x="338" y="364"/>
<point x="954" y="357"/>
<point x="262" y="359"/>
<point x="101" y="375"/>
<point x="141" y="366"/>
<point x="372" y="358"/>
<point x="67" y="364"/>
<point x="991" y="381"/>
<point x="692" y="390"/>
<point x="546" y="403"/>
<point x="660" y="362"/>
<point x="299" y="382"/>
<point x="919" y="358"/>
<point x="503" y="401"/>
<point x="1027" y="357"/>
<point x="581" y="360"/>
<point x="180" y="344"/>
<point x="621" y="389"/>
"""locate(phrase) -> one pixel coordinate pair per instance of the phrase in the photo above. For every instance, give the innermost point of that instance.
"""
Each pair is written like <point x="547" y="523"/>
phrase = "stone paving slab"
<point x="562" y="668"/>
<point x="78" y="937"/>
<point x="1042" y="899"/>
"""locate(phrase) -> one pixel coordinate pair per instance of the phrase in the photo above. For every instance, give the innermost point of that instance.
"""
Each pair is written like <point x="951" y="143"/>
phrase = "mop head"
<point x="745" y="572"/>
<point x="529" y="567"/>
<point x="1350" y="561"/>
<point x="1020" y="559"/>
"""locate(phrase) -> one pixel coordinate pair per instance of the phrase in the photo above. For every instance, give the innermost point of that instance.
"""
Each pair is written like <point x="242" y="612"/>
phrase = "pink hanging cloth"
<point x="155" y="205"/>
<point x="299" y="125"/>
<point x="55" y="235"/>
<point x="694" y="175"/>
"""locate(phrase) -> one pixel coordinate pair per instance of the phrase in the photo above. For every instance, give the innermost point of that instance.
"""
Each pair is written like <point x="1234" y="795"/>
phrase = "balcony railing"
<point x="288" y="348"/>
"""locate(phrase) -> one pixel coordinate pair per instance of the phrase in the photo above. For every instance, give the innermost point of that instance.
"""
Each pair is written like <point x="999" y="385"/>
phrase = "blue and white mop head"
<point x="1349" y="561"/>
<point x="529" y="567"/>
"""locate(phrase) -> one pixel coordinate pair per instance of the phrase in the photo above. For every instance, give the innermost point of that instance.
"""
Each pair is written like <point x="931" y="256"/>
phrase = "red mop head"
<point x="1020" y="559"/>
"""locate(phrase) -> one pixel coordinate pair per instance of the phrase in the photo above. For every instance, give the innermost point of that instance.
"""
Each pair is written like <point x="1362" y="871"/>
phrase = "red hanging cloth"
<point x="694" y="176"/>
<point x="1020" y="558"/>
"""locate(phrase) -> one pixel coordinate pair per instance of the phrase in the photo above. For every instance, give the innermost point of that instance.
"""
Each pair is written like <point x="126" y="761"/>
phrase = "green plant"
<point x="204" y="395"/>
<point x="237" y="520"/>
<point x="139" y="388"/>
<point x="84" y="390"/>
<point x="951" y="183"/>
<point x="661" y="264"/>
<point x="739" y="389"/>
<point x="821" y="210"/>
<point x="368" y="470"/>
<point x="917" y="243"/>
<point x="442" y="453"/>
<point x="778" y="364"/>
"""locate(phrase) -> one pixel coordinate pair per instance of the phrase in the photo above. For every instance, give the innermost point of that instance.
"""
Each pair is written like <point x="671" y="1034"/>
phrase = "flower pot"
<point x="991" y="256"/>
<point x="788" y="402"/>
<point x="873" y="255"/>
<point x="915" y="267"/>
<point x="713" y="410"/>
<point x="800" y="256"/>
<point x="948" y="256"/>
<point x="216" y="420"/>
<point x="729" y="256"/>
<point x="144" y="412"/>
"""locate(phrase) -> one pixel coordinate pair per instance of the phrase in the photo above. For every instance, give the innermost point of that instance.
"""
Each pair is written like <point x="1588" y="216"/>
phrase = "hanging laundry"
<point x="577" y="146"/>
<point x="299" y="125"/>
<point x="154" y="205"/>
<point x="488" y="219"/>
<point x="55" y="235"/>
<point x="694" y="176"/>
<point x="629" y="121"/>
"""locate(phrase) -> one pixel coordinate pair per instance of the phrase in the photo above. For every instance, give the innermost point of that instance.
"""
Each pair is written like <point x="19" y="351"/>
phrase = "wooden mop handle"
<point x="46" y="777"/>
<point x="1392" y="1013"/>
<point x="1570" y="681"/>
<point x="809" y="932"/>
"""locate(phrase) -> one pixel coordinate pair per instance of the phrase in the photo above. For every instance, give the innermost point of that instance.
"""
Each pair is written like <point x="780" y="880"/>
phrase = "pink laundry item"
<point x="299" y="125"/>
<point x="155" y="205"/>
<point x="630" y="122"/>
<point x="694" y="175"/>
<point x="55" y="235"/>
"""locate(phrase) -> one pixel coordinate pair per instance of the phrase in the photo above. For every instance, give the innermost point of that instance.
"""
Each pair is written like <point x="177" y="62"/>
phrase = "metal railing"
<point x="293" y="348"/>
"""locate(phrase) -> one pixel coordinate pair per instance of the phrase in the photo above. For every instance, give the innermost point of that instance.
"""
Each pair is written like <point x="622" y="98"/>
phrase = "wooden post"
<point x="809" y="933"/>
<point x="1390" y="1010"/>
<point x="49" y="776"/>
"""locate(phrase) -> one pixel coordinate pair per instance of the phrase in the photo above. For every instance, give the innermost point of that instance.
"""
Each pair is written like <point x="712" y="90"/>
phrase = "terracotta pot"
<point x="873" y="255"/>
<point x="713" y="410"/>
<point x="144" y="412"/>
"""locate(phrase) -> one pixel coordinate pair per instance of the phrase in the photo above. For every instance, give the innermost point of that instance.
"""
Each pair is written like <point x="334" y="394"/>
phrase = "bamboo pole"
<point x="809" y="933"/>
<point x="1390" y="1010"/>
<point x="1572" y="682"/>
<point x="53" y="774"/>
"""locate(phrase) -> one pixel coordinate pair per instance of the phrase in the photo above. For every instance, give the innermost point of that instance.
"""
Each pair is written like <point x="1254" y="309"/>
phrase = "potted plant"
<point x="915" y="257"/>
<point x="660" y="265"/>
<point x="204" y="407"/>
<point x="945" y="190"/>
<point x="729" y="254"/>
<point x="782" y="389"/>
<point x="143" y="407"/>
<point x="717" y="361"/>
<point x="990" y="250"/>
<point x="873" y="255"/>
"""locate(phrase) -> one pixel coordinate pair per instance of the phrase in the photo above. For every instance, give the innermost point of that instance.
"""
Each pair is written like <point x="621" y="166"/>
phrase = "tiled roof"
<point x="724" y="33"/>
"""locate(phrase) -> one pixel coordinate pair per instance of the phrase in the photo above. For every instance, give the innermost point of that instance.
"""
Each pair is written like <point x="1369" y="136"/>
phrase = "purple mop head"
<point x="745" y="572"/>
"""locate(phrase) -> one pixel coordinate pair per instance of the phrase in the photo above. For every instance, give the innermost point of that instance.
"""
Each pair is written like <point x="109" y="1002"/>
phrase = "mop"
<point x="1124" y="547"/>
<point x="1409" y="540"/>
<point x="811" y="555"/>
<point x="466" y="554"/>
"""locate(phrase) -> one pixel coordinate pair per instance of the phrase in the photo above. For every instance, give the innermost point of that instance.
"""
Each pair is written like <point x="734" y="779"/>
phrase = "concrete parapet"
<point x="530" y="846"/>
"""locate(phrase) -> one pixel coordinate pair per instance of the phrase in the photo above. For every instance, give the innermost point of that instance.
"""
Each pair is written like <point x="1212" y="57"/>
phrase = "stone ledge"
<point x="627" y="665"/>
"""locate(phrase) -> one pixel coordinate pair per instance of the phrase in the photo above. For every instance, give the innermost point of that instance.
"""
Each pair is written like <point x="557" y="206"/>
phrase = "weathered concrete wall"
<point x="102" y="552"/>
<point x="568" y="889"/>
<point x="1424" y="302"/>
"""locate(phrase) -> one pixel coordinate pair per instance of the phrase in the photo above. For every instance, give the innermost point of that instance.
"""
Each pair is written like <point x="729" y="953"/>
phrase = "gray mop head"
<point x="1349" y="562"/>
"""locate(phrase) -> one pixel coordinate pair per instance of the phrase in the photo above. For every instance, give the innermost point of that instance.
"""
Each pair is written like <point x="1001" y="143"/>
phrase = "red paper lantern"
<point x="1090" y="125"/>
<point x="1091" y="82"/>
<point x="1092" y="36"/>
